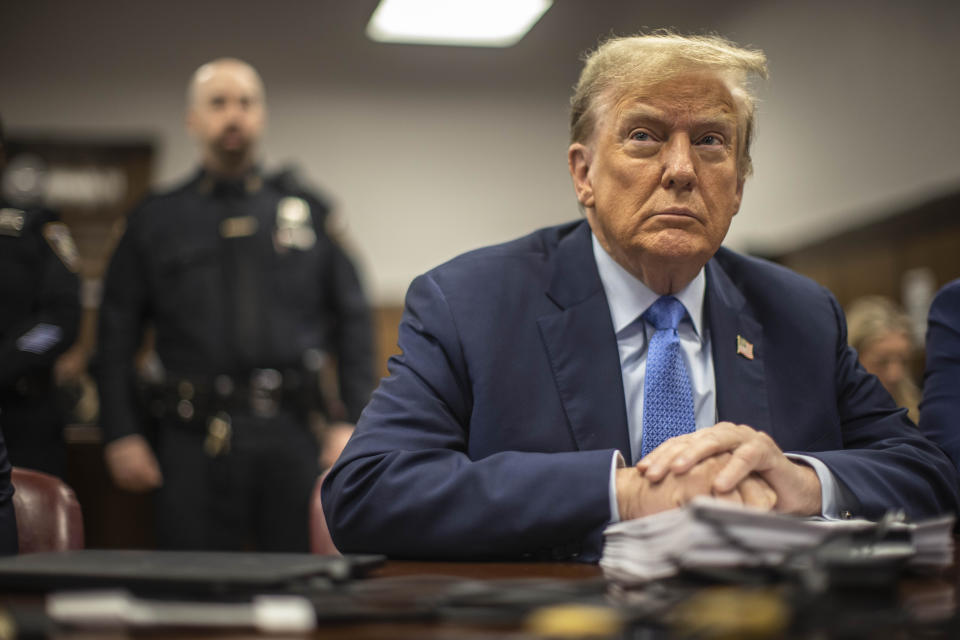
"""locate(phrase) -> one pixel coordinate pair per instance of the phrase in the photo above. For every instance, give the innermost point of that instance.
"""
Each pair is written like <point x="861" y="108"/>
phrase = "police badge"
<point x="294" y="225"/>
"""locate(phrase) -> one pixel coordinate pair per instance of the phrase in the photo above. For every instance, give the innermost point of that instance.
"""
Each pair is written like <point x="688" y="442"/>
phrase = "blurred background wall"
<point x="430" y="151"/>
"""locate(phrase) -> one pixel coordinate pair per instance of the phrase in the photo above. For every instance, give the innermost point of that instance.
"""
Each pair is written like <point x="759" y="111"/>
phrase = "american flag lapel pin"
<point x="744" y="347"/>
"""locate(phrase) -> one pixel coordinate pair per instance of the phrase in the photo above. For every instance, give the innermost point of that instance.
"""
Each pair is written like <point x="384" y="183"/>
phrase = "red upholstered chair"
<point x="320" y="540"/>
<point x="48" y="514"/>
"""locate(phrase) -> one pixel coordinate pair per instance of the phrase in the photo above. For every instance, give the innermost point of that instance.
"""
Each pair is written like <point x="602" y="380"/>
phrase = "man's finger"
<point x="693" y="448"/>
<point x="749" y="457"/>
<point x="656" y="463"/>
<point x="731" y="496"/>
<point x="756" y="492"/>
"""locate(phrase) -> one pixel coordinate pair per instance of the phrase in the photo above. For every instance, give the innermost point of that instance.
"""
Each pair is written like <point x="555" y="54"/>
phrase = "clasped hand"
<point x="729" y="461"/>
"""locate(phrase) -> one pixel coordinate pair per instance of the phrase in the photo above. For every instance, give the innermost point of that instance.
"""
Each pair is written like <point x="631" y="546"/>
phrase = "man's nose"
<point x="235" y="111"/>
<point x="678" y="168"/>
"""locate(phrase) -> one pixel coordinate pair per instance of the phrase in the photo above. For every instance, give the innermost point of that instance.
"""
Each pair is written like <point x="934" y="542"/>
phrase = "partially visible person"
<point x="251" y="302"/>
<point x="880" y="332"/>
<point x="940" y="408"/>
<point x="39" y="315"/>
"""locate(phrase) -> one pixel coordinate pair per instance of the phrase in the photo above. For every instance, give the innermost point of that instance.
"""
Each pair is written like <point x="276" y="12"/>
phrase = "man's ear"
<point x="579" y="158"/>
<point x="739" y="194"/>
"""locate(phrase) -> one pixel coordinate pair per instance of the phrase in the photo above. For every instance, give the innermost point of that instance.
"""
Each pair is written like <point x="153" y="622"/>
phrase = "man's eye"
<point x="711" y="140"/>
<point x="642" y="136"/>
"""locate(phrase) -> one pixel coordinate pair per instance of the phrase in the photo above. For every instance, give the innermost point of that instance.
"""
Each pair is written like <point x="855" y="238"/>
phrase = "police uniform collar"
<point x="211" y="184"/>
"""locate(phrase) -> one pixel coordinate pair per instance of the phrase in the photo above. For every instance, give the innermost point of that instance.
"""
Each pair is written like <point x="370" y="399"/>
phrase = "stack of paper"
<point x="709" y="533"/>
<point x="934" y="542"/>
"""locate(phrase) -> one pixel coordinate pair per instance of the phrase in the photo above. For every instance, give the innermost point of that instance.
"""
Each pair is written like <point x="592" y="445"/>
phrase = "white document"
<point x="710" y="533"/>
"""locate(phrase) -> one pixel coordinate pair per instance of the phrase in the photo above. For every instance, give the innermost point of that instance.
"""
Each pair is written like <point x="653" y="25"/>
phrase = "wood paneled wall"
<point x="386" y="321"/>
<point x="873" y="259"/>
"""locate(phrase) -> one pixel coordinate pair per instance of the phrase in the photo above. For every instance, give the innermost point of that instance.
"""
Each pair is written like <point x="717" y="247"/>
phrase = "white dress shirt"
<point x="628" y="298"/>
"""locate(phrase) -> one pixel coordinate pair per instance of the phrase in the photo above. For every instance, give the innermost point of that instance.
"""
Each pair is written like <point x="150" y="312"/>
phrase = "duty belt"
<point x="262" y="393"/>
<point x="208" y="403"/>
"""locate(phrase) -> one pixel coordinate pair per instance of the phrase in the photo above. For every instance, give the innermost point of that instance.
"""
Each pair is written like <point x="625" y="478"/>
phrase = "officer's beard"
<point x="228" y="156"/>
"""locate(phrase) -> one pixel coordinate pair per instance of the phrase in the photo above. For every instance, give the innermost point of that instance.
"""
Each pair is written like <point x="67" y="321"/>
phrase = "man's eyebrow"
<point x="719" y="117"/>
<point x="641" y="112"/>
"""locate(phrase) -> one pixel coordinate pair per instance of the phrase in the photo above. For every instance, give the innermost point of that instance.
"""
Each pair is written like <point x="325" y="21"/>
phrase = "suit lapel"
<point x="582" y="348"/>
<point x="736" y="334"/>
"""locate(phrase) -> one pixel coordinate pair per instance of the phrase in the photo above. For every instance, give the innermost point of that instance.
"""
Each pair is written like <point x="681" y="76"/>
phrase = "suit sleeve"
<point x="940" y="409"/>
<point x="121" y="326"/>
<point x="406" y="486"/>
<point x="39" y="339"/>
<point x="885" y="460"/>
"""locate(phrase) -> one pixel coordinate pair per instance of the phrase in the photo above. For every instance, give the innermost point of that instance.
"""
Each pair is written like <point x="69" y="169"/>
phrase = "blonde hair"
<point x="872" y="317"/>
<point x="647" y="59"/>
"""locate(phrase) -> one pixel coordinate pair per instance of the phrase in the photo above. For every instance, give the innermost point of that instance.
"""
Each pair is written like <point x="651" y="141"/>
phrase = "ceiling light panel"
<point x="470" y="23"/>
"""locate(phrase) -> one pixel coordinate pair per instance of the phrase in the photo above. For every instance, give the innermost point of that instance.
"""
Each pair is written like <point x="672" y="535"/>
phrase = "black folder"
<point x="217" y="573"/>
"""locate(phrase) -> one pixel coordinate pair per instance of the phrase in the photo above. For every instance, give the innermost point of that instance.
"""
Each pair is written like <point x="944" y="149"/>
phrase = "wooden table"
<point x="923" y="607"/>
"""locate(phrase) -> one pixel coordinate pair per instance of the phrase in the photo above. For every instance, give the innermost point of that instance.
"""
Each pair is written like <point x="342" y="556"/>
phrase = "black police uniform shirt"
<point x="39" y="291"/>
<point x="39" y="315"/>
<point x="233" y="275"/>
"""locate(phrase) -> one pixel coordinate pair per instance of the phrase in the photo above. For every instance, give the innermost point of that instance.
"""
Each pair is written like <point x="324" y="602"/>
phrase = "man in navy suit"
<point x="940" y="409"/>
<point x="525" y="381"/>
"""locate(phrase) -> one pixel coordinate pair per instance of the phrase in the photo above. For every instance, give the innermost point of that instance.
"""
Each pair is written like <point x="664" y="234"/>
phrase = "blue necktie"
<point x="667" y="396"/>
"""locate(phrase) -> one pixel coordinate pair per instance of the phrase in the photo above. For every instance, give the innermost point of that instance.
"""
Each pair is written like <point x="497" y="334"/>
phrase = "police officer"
<point x="250" y="299"/>
<point x="39" y="315"/>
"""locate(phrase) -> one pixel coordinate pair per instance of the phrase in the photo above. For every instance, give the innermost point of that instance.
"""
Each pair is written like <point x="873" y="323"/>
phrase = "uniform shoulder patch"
<point x="59" y="238"/>
<point x="40" y="339"/>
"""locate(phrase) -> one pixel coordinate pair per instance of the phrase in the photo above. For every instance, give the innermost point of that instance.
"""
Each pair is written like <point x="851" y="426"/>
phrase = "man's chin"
<point x="679" y="245"/>
<point x="233" y="150"/>
<point x="232" y="157"/>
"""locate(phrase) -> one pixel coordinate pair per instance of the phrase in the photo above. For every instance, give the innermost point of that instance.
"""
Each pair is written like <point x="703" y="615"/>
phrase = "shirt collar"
<point x="628" y="297"/>
<point x="250" y="182"/>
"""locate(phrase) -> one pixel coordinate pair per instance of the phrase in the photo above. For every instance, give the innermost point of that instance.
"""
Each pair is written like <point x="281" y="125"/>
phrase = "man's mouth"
<point x="675" y="212"/>
<point x="232" y="138"/>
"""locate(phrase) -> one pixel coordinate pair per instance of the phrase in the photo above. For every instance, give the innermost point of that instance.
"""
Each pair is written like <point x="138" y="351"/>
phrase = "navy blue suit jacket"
<point x="493" y="435"/>
<point x="940" y="409"/>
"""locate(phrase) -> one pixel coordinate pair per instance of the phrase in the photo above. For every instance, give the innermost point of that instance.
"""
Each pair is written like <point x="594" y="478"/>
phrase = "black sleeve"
<point x="352" y="324"/>
<point x="39" y="338"/>
<point x="8" y="519"/>
<point x="353" y="334"/>
<point x="121" y="327"/>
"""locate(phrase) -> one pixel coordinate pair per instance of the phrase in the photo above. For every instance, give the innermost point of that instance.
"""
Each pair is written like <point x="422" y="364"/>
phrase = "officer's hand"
<point x="334" y="440"/>
<point x="70" y="367"/>
<point x="132" y="464"/>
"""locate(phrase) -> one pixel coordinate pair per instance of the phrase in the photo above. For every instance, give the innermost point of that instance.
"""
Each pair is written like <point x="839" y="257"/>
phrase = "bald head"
<point x="226" y="114"/>
<point x="211" y="70"/>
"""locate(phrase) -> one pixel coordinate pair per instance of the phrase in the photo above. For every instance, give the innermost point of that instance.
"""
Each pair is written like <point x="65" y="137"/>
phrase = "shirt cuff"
<point x="831" y="497"/>
<point x="616" y="462"/>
